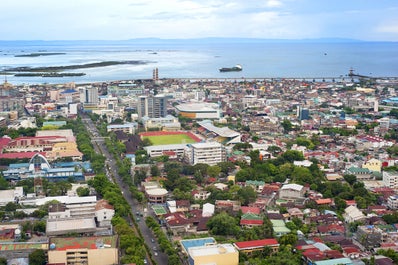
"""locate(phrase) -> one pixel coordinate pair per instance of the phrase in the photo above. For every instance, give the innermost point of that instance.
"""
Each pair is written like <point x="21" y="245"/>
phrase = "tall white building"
<point x="205" y="153"/>
<point x="152" y="106"/>
<point x="390" y="179"/>
<point x="89" y="95"/>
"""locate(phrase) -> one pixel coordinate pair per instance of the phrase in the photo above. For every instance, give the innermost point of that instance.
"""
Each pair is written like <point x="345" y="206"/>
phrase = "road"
<point x="111" y="170"/>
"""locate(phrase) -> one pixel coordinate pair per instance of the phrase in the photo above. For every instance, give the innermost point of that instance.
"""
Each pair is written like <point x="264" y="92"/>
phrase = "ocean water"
<point x="185" y="59"/>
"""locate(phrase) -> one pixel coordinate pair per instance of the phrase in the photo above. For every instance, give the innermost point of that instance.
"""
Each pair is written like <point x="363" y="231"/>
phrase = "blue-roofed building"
<point x="339" y="261"/>
<point x="197" y="242"/>
<point x="38" y="166"/>
<point x="391" y="101"/>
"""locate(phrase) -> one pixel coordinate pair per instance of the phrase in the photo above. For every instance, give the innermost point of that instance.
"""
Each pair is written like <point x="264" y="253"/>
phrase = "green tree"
<point x="155" y="171"/>
<point x="287" y="126"/>
<point x="288" y="239"/>
<point x="3" y="261"/>
<point x="222" y="224"/>
<point x="82" y="191"/>
<point x="37" y="257"/>
<point x="10" y="207"/>
<point x="213" y="171"/>
<point x="247" y="195"/>
<point x="350" y="179"/>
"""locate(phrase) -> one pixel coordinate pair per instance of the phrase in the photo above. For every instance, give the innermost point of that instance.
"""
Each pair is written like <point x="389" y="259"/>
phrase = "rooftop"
<point x="256" y="243"/>
<point x="94" y="242"/>
<point x="212" y="250"/>
<point x="197" y="242"/>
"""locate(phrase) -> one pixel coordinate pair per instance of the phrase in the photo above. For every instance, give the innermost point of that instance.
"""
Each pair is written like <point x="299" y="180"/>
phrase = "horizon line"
<point x="323" y="39"/>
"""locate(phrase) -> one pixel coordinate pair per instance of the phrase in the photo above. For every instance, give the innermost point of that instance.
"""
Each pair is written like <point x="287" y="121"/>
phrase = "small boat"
<point x="236" y="68"/>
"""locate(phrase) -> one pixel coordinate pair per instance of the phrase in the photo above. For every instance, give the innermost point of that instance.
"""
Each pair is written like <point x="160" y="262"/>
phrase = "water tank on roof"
<point x="52" y="246"/>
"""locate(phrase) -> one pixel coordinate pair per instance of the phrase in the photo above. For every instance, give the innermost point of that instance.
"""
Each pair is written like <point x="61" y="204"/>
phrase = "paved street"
<point x="100" y="147"/>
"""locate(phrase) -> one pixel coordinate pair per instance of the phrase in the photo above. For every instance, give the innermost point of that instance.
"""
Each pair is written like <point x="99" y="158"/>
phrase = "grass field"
<point x="170" y="139"/>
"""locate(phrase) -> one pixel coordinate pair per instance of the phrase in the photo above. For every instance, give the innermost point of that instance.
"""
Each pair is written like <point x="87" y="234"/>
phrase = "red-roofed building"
<point x="255" y="245"/>
<point x="21" y="155"/>
<point x="326" y="201"/>
<point x="251" y="223"/>
<point x="351" y="203"/>
<point x="247" y="209"/>
<point x="4" y="141"/>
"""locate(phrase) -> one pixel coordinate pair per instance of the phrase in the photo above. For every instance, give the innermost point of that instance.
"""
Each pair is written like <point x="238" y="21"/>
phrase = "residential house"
<point x="369" y="236"/>
<point x="295" y="213"/>
<point x="227" y="205"/>
<point x="291" y="192"/>
<point x="279" y="227"/>
<point x="257" y="245"/>
<point x="250" y="220"/>
<point x="352" y="214"/>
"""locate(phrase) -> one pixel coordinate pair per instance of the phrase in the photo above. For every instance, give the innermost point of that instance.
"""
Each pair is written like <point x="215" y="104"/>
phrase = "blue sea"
<point x="203" y="58"/>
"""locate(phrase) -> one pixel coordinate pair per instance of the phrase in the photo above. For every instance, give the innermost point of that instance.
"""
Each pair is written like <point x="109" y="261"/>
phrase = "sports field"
<point x="170" y="139"/>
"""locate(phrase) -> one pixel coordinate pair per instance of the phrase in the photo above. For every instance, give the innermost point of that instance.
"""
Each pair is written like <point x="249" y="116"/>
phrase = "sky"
<point x="372" y="20"/>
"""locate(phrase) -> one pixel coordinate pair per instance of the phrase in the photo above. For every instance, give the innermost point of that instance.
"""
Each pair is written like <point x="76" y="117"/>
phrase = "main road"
<point x="111" y="171"/>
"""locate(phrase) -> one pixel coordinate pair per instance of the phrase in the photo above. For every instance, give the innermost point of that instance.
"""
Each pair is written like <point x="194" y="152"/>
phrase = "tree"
<point x="350" y="179"/>
<point x="274" y="150"/>
<point x="213" y="171"/>
<point x="3" y="261"/>
<point x="223" y="224"/>
<point x="288" y="239"/>
<point x="10" y="207"/>
<point x="155" y="171"/>
<point x="82" y="191"/>
<point x="292" y="155"/>
<point x="37" y="257"/>
<point x="287" y="125"/>
<point x="247" y="195"/>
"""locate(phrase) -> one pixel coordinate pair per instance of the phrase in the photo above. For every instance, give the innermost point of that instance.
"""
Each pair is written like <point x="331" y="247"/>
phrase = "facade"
<point x="152" y="106"/>
<point x="129" y="128"/>
<point x="291" y="191"/>
<point x="39" y="167"/>
<point x="89" y="96"/>
<point x="168" y="123"/>
<point x="154" y="193"/>
<point x="352" y="214"/>
<point x="80" y="216"/>
<point x="7" y="196"/>
<point x="159" y="150"/>
<point x="373" y="165"/>
<point x="392" y="202"/>
<point x="390" y="179"/>
<point x="199" y="110"/>
<point x="369" y="236"/>
<point x="83" y="250"/>
<point x="207" y="153"/>
<point x="257" y="245"/>
<point x="222" y="254"/>
<point x="104" y="213"/>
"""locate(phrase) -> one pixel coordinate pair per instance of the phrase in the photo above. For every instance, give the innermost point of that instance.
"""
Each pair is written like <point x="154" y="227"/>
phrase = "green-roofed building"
<point x="257" y="185"/>
<point x="280" y="228"/>
<point x="361" y="173"/>
<point x="56" y="124"/>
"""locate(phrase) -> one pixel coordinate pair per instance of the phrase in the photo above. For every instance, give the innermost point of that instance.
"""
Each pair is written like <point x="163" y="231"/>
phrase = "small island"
<point x="37" y="54"/>
<point x="50" y="74"/>
<point x="57" y="71"/>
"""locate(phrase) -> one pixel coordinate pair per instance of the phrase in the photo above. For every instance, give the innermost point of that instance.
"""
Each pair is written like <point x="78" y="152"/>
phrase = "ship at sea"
<point x="236" y="68"/>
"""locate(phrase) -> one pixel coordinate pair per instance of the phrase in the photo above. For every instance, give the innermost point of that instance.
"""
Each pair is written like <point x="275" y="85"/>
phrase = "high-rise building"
<point x="303" y="113"/>
<point x="89" y="95"/>
<point x="205" y="153"/>
<point x="155" y="75"/>
<point x="152" y="106"/>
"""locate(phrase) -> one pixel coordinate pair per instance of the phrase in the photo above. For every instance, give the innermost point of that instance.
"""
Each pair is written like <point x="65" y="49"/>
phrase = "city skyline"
<point x="174" y="19"/>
